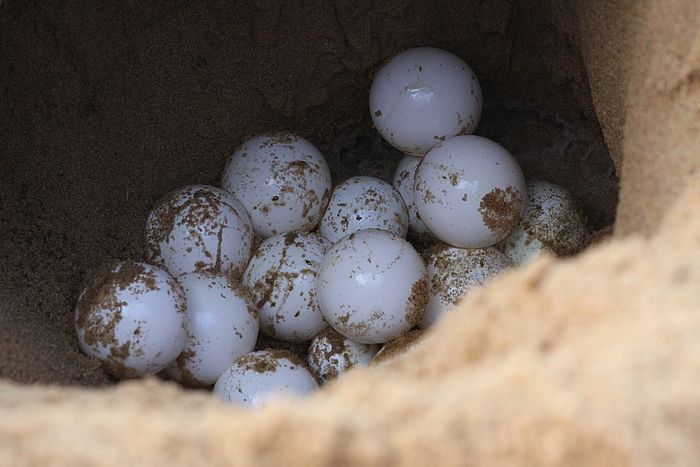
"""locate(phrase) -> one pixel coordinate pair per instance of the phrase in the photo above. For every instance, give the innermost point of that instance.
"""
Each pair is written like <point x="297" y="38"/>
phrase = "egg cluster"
<point x="277" y="249"/>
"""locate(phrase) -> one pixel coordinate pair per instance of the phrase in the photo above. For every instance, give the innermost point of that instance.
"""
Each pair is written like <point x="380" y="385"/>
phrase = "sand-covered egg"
<point x="551" y="221"/>
<point x="364" y="202"/>
<point x="372" y="286"/>
<point x="331" y="354"/>
<point x="404" y="178"/>
<point x="423" y="96"/>
<point x="453" y="272"/>
<point x="281" y="276"/>
<point x="263" y="377"/>
<point x="283" y="181"/>
<point x="222" y="326"/>
<point x="132" y="317"/>
<point x="199" y="228"/>
<point x="469" y="191"/>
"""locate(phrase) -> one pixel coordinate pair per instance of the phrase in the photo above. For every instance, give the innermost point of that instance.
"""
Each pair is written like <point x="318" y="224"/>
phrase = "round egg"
<point x="281" y="276"/>
<point x="372" y="286"/>
<point x="331" y="354"/>
<point x="469" y="191"/>
<point x="199" y="228"/>
<point x="222" y="326"/>
<point x="132" y="317"/>
<point x="263" y="377"/>
<point x="404" y="179"/>
<point x="282" y="180"/>
<point x="361" y="203"/>
<point x="454" y="272"/>
<point x="551" y="221"/>
<point x="423" y="96"/>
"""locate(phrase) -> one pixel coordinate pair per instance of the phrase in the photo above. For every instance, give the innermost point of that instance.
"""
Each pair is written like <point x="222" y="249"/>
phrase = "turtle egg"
<point x="222" y="325"/>
<point x="372" y="286"/>
<point x="264" y="376"/>
<point x="282" y="278"/>
<point x="282" y="180"/>
<point x="551" y="222"/>
<point x="131" y="316"/>
<point x="360" y="203"/>
<point x="423" y="96"/>
<point x="404" y="178"/>
<point x="199" y="228"/>
<point x="331" y="354"/>
<point x="469" y="191"/>
<point x="454" y="272"/>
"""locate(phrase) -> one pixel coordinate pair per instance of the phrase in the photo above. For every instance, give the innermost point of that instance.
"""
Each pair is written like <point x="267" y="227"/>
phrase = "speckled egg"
<point x="281" y="276"/>
<point x="331" y="354"/>
<point x="222" y="326"/>
<point x="364" y="202"/>
<point x="469" y="191"/>
<point x="199" y="228"/>
<point x="282" y="180"/>
<point x="372" y="286"/>
<point x="453" y="272"/>
<point x="404" y="178"/>
<point x="263" y="377"/>
<point x="132" y="317"/>
<point x="552" y="221"/>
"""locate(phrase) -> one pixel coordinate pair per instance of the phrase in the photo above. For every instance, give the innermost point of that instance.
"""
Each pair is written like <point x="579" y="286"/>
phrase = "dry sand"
<point x="592" y="360"/>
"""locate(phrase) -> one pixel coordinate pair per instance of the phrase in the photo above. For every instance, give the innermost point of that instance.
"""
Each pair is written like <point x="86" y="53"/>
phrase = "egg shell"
<point x="469" y="191"/>
<point x="263" y="377"/>
<point x="454" y="272"/>
<point x="551" y="222"/>
<point x="281" y="276"/>
<point x="404" y="178"/>
<point x="282" y="180"/>
<point x="199" y="228"/>
<point x="423" y="96"/>
<point x="132" y="317"/>
<point x="401" y="345"/>
<point x="364" y="202"/>
<point x="372" y="286"/>
<point x="331" y="355"/>
<point x="222" y="326"/>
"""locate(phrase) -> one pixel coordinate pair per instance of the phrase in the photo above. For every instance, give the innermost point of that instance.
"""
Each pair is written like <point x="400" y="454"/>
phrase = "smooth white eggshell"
<point x="371" y="286"/>
<point x="469" y="191"/>
<point x="199" y="228"/>
<point x="281" y="276"/>
<point x="454" y="272"/>
<point x="263" y="377"/>
<point x="331" y="354"/>
<point x="131" y="316"/>
<point x="404" y="178"/>
<point x="282" y="180"/>
<point x="364" y="202"/>
<point x="222" y="326"/>
<point x="423" y="96"/>
<point x="551" y="222"/>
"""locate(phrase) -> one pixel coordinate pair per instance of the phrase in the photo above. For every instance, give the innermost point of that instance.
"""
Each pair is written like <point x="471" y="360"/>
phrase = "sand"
<point x="591" y="360"/>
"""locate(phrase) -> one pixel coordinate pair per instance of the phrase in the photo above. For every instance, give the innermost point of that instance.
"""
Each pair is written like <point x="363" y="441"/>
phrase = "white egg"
<point x="372" y="286"/>
<point x="469" y="191"/>
<point x="423" y="96"/>
<point x="454" y="272"/>
<point x="360" y="203"/>
<point x="263" y="377"/>
<point x="282" y="180"/>
<point x="199" y="228"/>
<point x="222" y="326"/>
<point x="131" y="316"/>
<point x="331" y="354"/>
<point x="552" y="221"/>
<point x="404" y="178"/>
<point x="281" y="276"/>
